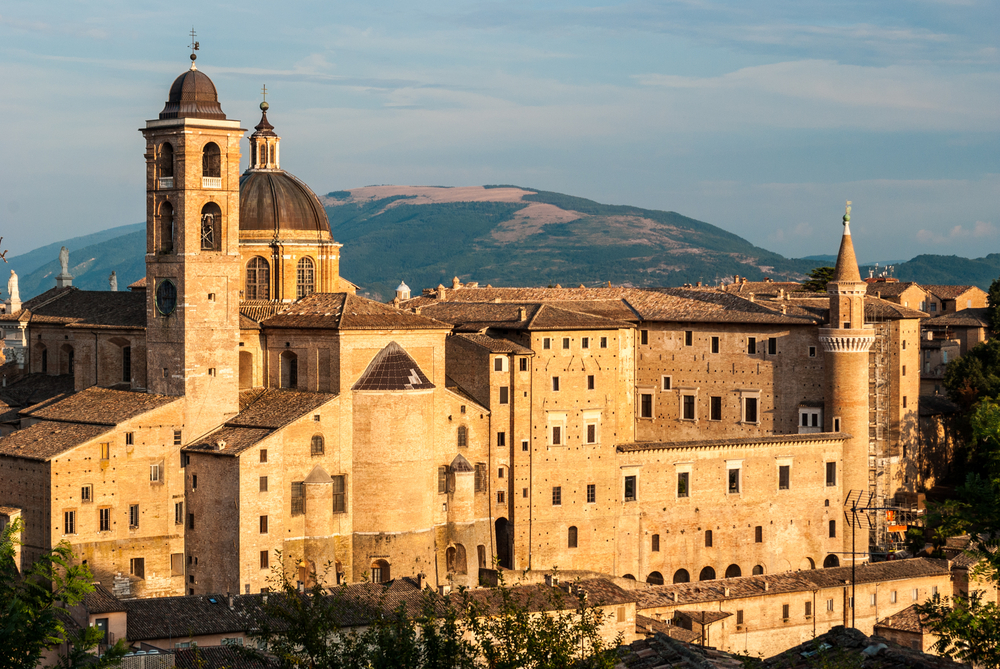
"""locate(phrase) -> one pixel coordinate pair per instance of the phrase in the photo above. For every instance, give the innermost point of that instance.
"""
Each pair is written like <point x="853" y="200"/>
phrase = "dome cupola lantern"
<point x="264" y="142"/>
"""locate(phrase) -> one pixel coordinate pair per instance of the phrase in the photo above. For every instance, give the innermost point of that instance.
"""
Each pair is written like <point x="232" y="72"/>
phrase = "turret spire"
<point x="847" y="261"/>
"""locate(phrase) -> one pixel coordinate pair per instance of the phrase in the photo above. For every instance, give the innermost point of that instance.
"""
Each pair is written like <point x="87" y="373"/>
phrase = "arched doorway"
<point x="655" y="578"/>
<point x="682" y="576"/>
<point x="505" y="539"/>
<point x="380" y="571"/>
<point x="707" y="574"/>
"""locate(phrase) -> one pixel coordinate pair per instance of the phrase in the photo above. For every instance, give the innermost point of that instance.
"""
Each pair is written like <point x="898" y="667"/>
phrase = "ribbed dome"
<point x="193" y="95"/>
<point x="276" y="201"/>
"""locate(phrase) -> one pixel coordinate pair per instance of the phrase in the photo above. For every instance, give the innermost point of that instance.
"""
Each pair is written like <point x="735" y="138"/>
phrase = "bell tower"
<point x="192" y="252"/>
<point x="846" y="341"/>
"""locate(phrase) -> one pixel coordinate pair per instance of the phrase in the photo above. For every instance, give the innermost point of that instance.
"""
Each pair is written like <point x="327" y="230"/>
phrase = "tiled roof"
<point x="138" y="285"/>
<point x="878" y="309"/>
<point x="907" y="620"/>
<point x="234" y="440"/>
<point x="451" y="385"/>
<point x="496" y="344"/>
<point x="763" y="287"/>
<point x="392" y="368"/>
<point x="635" y="446"/>
<point x="523" y="295"/>
<point x="936" y="405"/>
<point x="790" y="581"/>
<point x="890" y="288"/>
<point x="220" y="657"/>
<point x="660" y="651"/>
<point x="482" y="314"/>
<point x="844" y="646"/>
<point x="36" y="302"/>
<point x="87" y="308"/>
<point x="166" y="617"/>
<point x="708" y="306"/>
<point x="102" y="601"/>
<point x="259" y="310"/>
<point x="344" y="311"/>
<point x="949" y="292"/>
<point x="604" y="592"/>
<point x="272" y="408"/>
<point x="45" y="440"/>
<point x="548" y="317"/>
<point x="98" y="406"/>
<point x="650" y="626"/>
<point x="34" y="388"/>
<point x="977" y="317"/>
<point x="8" y="510"/>
<point x="704" y="617"/>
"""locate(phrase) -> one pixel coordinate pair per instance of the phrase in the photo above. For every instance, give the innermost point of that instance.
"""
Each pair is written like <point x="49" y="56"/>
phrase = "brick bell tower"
<point x="192" y="253"/>
<point x="846" y="341"/>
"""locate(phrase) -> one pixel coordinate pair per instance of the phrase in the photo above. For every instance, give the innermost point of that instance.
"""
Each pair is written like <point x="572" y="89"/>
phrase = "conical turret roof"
<point x="847" y="262"/>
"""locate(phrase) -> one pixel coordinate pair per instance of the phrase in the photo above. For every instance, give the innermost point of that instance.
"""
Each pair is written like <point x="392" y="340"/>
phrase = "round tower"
<point x="846" y="341"/>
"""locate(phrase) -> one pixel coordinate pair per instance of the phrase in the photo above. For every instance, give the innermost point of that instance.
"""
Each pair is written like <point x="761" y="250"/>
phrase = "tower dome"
<point x="193" y="95"/>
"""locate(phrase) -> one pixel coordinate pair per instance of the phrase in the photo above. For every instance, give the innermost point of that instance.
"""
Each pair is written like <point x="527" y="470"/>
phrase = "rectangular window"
<point x="751" y="345"/>
<point x="812" y="351"/>
<point x="133" y="516"/>
<point x="645" y="405"/>
<point x="784" y="611"/>
<point x="590" y="382"/>
<point x="749" y="409"/>
<point x="666" y="382"/>
<point x="892" y="597"/>
<point x="104" y="519"/>
<point x="69" y="522"/>
<point x="87" y="493"/>
<point x="497" y="364"/>
<point x="524" y="445"/>
<point x="708" y="538"/>
<point x="480" y="477"/>
<point x="683" y="484"/>
<point x="340" y="493"/>
<point x="556" y="435"/>
<point x="831" y="473"/>
<point x="715" y="344"/>
<point x="836" y="425"/>
<point x="263" y="484"/>
<point x="555" y="384"/>
<point x="904" y="401"/>
<point x="758" y="534"/>
<point x="523" y="364"/>
<point x="784" y="475"/>
<point x="565" y="342"/>
<point x="501" y="497"/>
<point x="655" y="544"/>
<point x="833" y="529"/>
<point x="263" y="455"/>
<point x="177" y="564"/>
<point x="194" y="481"/>
<point x="591" y="493"/>
<point x="190" y="521"/>
<point x="630" y="489"/>
<point x="687" y="408"/>
<point x="739" y="616"/>
<point x="913" y="593"/>
<point x="154" y="473"/>
<point x="501" y="438"/>
<point x="591" y="434"/>
<point x="177" y="437"/>
<point x="137" y="567"/>
<point x="604" y="342"/>
<point x="585" y="342"/>
<point x="872" y="600"/>
<point x="557" y="495"/>
<point x="265" y="561"/>
<point x="546" y="343"/>
<point x="829" y="605"/>
<point x="689" y="337"/>
<point x="299" y="498"/>
<point x="904" y="370"/>
<point x="715" y="408"/>
<point x="442" y="480"/>
<point x="178" y="513"/>
<point x="644" y="337"/>
<point x="130" y="438"/>
<point x="105" y="451"/>
<point x="772" y="346"/>
<point x="734" y="481"/>
<point x="263" y="524"/>
<point x="809" y="609"/>
<point x="504" y="395"/>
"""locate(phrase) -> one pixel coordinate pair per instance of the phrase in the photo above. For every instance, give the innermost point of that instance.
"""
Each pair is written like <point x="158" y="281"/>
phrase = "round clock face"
<point x="166" y="297"/>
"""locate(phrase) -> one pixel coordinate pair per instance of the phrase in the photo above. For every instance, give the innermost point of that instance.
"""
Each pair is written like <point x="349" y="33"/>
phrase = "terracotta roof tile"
<point x="138" y="285"/>
<point x="344" y="311"/>
<point x="637" y="446"/>
<point x="496" y="344"/>
<point x="843" y="646"/>
<point x="98" y="406"/>
<point x="548" y="317"/>
<point x="763" y="287"/>
<point x="102" y="601"/>
<point x="707" y="306"/>
<point x="890" y="288"/>
<point x="272" y="408"/>
<point x="220" y="657"/>
<point x="45" y="440"/>
<point x="660" y="651"/>
<point x="233" y="440"/>
<point x="950" y="292"/>
<point x="907" y="620"/>
<point x="260" y="310"/>
<point x="877" y="309"/>
<point x="392" y="368"/>
<point x="87" y="308"/>
<point x="966" y="318"/>
<point x="34" y="388"/>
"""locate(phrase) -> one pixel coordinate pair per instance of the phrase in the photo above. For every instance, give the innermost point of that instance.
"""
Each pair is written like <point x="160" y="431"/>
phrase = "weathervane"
<point x="194" y="47"/>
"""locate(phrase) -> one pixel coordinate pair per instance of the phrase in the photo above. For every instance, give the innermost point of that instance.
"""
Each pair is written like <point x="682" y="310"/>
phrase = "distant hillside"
<point x="507" y="235"/>
<point x="501" y="235"/>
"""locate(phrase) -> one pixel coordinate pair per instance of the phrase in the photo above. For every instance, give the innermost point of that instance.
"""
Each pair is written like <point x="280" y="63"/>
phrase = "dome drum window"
<point x="258" y="285"/>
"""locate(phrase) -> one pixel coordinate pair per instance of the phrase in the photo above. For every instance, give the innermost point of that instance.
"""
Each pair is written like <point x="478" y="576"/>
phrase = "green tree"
<point x="818" y="278"/>
<point x="993" y="307"/>
<point x="968" y="628"/>
<point x="975" y="375"/>
<point x="33" y="614"/>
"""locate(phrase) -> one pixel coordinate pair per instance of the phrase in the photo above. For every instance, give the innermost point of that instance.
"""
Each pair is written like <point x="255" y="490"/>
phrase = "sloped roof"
<point x="85" y="308"/>
<point x="345" y="311"/>
<point x="45" y="440"/>
<point x="950" y="292"/>
<point x="548" y="317"/>
<point x="907" y="620"/>
<point x="845" y="646"/>
<point x="236" y="440"/>
<point x="101" y="600"/>
<point x="891" y="288"/>
<point x="259" y="310"/>
<point x="273" y="408"/>
<point x="496" y="344"/>
<point x="392" y="368"/>
<point x="847" y="262"/>
<point x="98" y="406"/>
<point x="707" y="306"/>
<point x="878" y="309"/>
<point x="36" y="387"/>
<point x="460" y="464"/>
<point x="976" y="317"/>
<point x="659" y="650"/>
<point x="635" y="446"/>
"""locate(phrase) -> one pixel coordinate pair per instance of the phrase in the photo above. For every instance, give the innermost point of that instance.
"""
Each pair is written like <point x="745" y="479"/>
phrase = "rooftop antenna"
<point x="195" y="46"/>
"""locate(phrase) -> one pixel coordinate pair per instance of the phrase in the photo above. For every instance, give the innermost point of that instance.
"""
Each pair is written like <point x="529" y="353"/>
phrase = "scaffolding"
<point x="879" y="387"/>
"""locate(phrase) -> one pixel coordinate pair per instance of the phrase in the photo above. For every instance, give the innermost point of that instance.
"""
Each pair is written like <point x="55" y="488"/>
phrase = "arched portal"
<point x="211" y="161"/>
<point x="654" y="578"/>
<point x="66" y="359"/>
<point x="289" y="369"/>
<point x="707" y="574"/>
<point x="733" y="571"/>
<point x="682" y="576"/>
<point x="380" y="571"/>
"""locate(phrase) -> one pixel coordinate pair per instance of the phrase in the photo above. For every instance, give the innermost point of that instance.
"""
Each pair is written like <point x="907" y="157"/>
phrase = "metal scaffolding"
<point x="879" y="386"/>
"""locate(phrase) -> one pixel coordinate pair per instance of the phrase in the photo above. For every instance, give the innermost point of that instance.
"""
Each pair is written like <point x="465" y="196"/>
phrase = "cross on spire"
<point x="194" y="44"/>
<point x="263" y="92"/>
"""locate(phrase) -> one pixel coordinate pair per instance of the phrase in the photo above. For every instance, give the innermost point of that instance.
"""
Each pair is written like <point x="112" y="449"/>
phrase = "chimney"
<point x="420" y="581"/>
<point x="441" y="292"/>
<point x="456" y="284"/>
<point x="673" y="596"/>
<point x="522" y="314"/>
<point x="230" y="598"/>
<point x="725" y="592"/>
<point x="751" y="297"/>
<point x="766" y="586"/>
<point x="781" y="293"/>
<point x="784" y="308"/>
<point x="552" y="581"/>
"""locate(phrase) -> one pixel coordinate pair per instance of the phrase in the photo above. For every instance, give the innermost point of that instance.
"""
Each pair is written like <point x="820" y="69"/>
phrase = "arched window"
<point x="66" y="359"/>
<point x="655" y="578"/>
<point x="258" y="279"/>
<point x="165" y="162"/>
<point x="461" y="563"/>
<point x="682" y="576"/>
<point x="211" y="161"/>
<point x="573" y="536"/>
<point x="289" y="370"/>
<point x="449" y="559"/>
<point x="211" y="222"/>
<point x="380" y="571"/>
<point x="166" y="228"/>
<point x="317" y="447"/>
<point x="707" y="574"/>
<point x="263" y="155"/>
<point x="629" y="577"/>
<point x="757" y="570"/>
<point x="305" y="278"/>
<point x="831" y="561"/>
<point x="733" y="571"/>
<point x="463" y="436"/>
<point x="812" y="563"/>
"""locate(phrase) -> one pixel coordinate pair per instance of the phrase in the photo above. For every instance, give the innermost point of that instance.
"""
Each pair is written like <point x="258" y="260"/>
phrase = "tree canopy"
<point x="818" y="278"/>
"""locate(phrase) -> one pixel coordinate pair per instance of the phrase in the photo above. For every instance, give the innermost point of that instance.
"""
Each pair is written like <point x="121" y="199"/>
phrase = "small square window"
<point x="316" y="418"/>
<point x="497" y="364"/>
<point x="591" y="493"/>
<point x="665" y="382"/>
<point x="263" y="455"/>
<point x="87" y="493"/>
<point x="524" y="445"/>
<point x="137" y="567"/>
<point x="812" y="351"/>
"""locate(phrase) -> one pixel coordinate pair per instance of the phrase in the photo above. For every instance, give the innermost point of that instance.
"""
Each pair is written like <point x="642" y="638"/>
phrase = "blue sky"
<point x="761" y="118"/>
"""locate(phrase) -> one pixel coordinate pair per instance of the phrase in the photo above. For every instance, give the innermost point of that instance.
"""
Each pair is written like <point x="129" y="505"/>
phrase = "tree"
<point x="975" y="375"/>
<point x="993" y="308"/>
<point x="818" y="278"/>
<point x="968" y="628"/>
<point x="33" y="614"/>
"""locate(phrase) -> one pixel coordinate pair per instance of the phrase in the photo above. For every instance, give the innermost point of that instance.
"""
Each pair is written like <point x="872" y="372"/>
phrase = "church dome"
<point x="274" y="201"/>
<point x="193" y="95"/>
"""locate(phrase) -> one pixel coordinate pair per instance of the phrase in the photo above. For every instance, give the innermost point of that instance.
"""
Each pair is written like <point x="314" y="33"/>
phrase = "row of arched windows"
<point x="211" y="160"/>
<point x="708" y="573"/>
<point x="210" y="231"/>
<point x="258" y="278"/>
